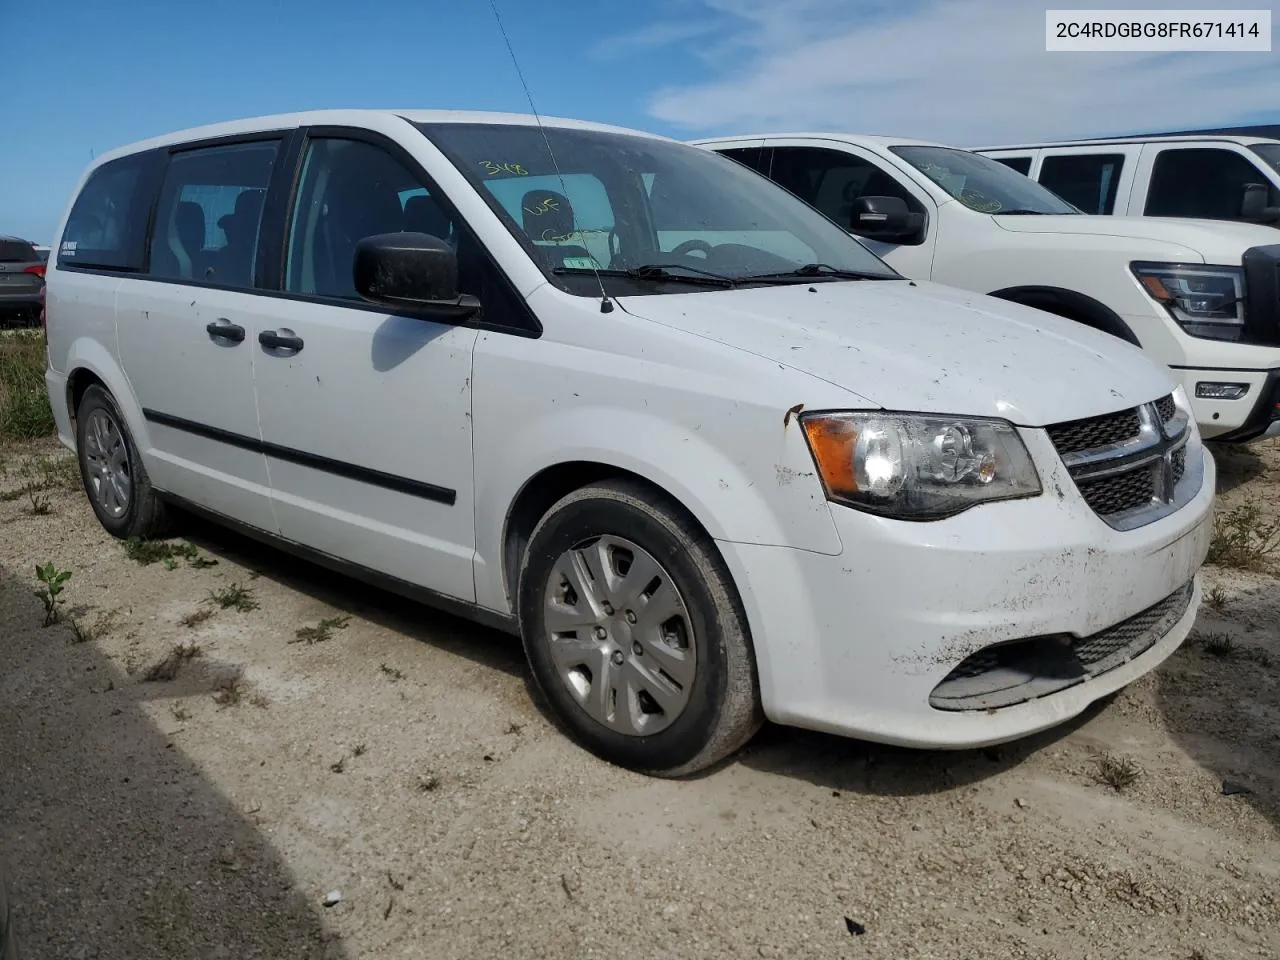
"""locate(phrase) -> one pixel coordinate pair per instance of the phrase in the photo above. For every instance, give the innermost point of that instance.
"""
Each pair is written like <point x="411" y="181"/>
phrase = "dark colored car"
<point x="21" y="282"/>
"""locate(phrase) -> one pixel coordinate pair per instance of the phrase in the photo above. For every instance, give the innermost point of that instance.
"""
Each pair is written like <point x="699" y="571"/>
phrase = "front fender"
<point x="738" y="499"/>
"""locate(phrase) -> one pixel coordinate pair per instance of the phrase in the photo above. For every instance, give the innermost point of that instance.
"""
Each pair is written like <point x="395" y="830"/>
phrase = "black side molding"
<point x="339" y="468"/>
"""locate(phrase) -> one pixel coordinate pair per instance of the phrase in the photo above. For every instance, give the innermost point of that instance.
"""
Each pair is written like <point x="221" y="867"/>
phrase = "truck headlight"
<point x="1206" y="301"/>
<point x="918" y="467"/>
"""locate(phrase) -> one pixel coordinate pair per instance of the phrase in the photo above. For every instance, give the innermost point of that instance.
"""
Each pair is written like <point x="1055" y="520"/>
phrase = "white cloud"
<point x="966" y="72"/>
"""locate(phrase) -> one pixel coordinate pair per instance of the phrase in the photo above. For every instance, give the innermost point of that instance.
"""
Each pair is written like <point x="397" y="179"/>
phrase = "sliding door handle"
<point x="281" y="341"/>
<point x="224" y="329"/>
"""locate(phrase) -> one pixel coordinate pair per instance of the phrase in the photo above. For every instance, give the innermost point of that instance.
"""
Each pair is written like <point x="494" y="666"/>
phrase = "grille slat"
<point x="1122" y="492"/>
<point x="1167" y="407"/>
<point x="1076" y="435"/>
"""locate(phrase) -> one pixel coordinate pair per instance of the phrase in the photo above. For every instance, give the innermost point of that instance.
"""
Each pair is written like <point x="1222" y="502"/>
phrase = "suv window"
<point x="210" y="212"/>
<point x="1200" y="182"/>
<point x="106" y="228"/>
<point x="1021" y="164"/>
<point x="1088" y="181"/>
<point x="757" y="158"/>
<point x="831" y="180"/>
<point x="16" y="251"/>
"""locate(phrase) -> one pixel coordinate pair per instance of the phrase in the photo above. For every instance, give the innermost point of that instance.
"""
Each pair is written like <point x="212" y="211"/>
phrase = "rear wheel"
<point x="634" y="632"/>
<point x="114" y="478"/>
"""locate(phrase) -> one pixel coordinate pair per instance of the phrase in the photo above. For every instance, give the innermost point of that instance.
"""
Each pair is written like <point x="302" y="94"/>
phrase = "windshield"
<point x="1269" y="152"/>
<point x="625" y="204"/>
<point x="981" y="183"/>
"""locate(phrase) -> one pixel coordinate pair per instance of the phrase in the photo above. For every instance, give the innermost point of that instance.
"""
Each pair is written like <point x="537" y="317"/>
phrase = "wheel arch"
<point x="1071" y="305"/>
<point x="89" y="363"/>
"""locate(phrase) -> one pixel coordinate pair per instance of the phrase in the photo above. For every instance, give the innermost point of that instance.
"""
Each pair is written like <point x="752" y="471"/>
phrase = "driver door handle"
<point x="269" y="338"/>
<point x="224" y="329"/>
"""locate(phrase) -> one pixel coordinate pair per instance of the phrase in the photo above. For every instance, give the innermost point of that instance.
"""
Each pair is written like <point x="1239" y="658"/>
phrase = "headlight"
<point x="1206" y="301"/>
<point x="915" y="467"/>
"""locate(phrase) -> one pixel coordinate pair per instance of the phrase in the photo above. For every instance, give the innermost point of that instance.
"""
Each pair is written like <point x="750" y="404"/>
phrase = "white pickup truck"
<point x="1201" y="296"/>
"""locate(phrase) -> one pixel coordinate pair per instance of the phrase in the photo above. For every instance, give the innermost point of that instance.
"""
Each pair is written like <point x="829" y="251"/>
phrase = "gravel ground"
<point x="402" y="762"/>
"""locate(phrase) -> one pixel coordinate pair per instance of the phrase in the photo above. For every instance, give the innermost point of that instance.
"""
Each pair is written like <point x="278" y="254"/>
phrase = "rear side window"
<point x="757" y="158"/>
<point x="1021" y="164"/>
<point x="106" y="229"/>
<point x="17" y="251"/>
<point x="1088" y="181"/>
<point x="1201" y="182"/>
<point x="210" y="213"/>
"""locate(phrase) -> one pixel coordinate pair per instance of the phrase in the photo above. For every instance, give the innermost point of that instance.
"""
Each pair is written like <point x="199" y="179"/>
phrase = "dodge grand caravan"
<point x="708" y="456"/>
<point x="1201" y="296"/>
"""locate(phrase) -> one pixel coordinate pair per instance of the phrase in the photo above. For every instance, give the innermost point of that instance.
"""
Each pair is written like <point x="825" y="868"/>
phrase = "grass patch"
<point x="1216" y="598"/>
<point x="197" y="617"/>
<point x="234" y="597"/>
<point x="1118" y="773"/>
<point x="147" y="552"/>
<point x="169" y="668"/>
<point x="391" y="673"/>
<point x="321" y="632"/>
<point x="1242" y="538"/>
<point x="101" y="626"/>
<point x="1218" y="645"/>
<point x="25" y="413"/>
<point x="230" y="689"/>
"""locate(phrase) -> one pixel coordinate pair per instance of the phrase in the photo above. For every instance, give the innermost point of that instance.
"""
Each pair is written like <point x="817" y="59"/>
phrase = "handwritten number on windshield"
<point x="497" y="169"/>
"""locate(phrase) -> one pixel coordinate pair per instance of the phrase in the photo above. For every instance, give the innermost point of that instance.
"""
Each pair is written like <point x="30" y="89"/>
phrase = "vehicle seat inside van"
<point x="189" y="223"/>
<point x="233" y="264"/>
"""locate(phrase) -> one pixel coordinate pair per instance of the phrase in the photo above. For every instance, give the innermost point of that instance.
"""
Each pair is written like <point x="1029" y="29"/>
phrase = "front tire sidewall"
<point x="690" y="733"/>
<point x="127" y="524"/>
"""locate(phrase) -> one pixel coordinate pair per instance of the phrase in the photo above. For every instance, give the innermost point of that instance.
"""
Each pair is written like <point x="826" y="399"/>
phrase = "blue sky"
<point x="968" y="72"/>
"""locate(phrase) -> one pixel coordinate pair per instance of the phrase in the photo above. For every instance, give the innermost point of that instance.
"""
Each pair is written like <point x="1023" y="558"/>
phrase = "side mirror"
<point x="885" y="218"/>
<point x="411" y="271"/>
<point x="1253" y="207"/>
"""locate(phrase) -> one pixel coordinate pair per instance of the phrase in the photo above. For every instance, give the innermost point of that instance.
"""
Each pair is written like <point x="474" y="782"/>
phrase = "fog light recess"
<point x="1208" y="390"/>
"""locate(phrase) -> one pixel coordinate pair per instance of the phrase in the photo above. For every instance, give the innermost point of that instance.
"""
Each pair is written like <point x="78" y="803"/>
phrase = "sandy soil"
<point x="403" y="762"/>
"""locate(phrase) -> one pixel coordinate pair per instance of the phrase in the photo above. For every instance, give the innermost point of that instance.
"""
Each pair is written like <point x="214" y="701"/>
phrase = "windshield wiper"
<point x="658" y="273"/>
<point x="1020" y="213"/>
<point x="810" y="270"/>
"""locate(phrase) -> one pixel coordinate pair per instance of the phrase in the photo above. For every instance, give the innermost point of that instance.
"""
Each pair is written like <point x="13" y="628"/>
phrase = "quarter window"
<point x="1021" y="164"/>
<point x="1088" y="181"/>
<point x="210" y="213"/>
<point x="1200" y="182"/>
<point x="107" y="225"/>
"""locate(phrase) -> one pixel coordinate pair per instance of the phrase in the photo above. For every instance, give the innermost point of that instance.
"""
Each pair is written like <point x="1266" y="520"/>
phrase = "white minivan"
<point x="709" y="457"/>
<point x="1202" y="297"/>
<point x="1208" y="177"/>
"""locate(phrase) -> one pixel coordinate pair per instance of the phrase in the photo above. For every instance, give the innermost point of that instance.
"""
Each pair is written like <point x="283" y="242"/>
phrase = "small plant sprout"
<point x="391" y="673"/>
<point x="321" y="632"/>
<point x="234" y="597"/>
<point x="180" y="713"/>
<point x="40" y="505"/>
<point x="1216" y="598"/>
<point x="230" y="688"/>
<point x="1118" y="773"/>
<point x="52" y="579"/>
<point x="147" y="552"/>
<point x="167" y="669"/>
<point x="1218" y="645"/>
<point x="197" y="617"/>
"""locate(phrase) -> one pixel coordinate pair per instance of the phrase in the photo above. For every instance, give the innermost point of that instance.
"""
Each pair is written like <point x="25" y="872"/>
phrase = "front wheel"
<point x="114" y="478"/>
<point x="635" y="633"/>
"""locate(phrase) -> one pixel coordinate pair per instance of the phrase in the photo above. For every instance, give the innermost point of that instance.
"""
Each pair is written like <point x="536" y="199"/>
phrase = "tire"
<point x="704" y="702"/>
<point x="139" y="512"/>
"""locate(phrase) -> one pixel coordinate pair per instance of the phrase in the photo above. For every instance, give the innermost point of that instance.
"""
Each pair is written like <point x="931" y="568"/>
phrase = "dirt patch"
<point x="330" y="739"/>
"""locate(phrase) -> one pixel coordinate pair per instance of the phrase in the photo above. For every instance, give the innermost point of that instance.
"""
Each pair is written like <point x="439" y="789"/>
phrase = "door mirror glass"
<point x="414" y="271"/>
<point x="1253" y="207"/>
<point x="884" y="218"/>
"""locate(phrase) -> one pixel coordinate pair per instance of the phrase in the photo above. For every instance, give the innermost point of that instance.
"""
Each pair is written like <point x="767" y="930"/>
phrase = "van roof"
<point x="1246" y="136"/>
<point x="356" y="117"/>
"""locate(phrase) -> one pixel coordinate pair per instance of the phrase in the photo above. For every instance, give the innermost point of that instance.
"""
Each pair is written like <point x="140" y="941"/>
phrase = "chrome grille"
<point x="1129" y="465"/>
<point x="1022" y="670"/>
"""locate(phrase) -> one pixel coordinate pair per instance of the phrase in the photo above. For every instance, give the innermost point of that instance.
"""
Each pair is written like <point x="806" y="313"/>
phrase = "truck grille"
<point x="1022" y="670"/>
<point x="1128" y="465"/>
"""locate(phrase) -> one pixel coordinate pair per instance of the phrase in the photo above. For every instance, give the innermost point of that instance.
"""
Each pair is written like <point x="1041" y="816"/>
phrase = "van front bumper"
<point x="858" y="644"/>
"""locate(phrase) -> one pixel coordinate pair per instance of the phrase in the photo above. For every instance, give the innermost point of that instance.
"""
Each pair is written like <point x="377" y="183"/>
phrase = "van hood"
<point x="1206" y="241"/>
<point x="922" y="347"/>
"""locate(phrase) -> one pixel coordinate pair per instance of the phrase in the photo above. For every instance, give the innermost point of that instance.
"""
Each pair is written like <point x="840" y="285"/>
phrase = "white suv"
<point x="1202" y="297"/>
<point x="712" y="459"/>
